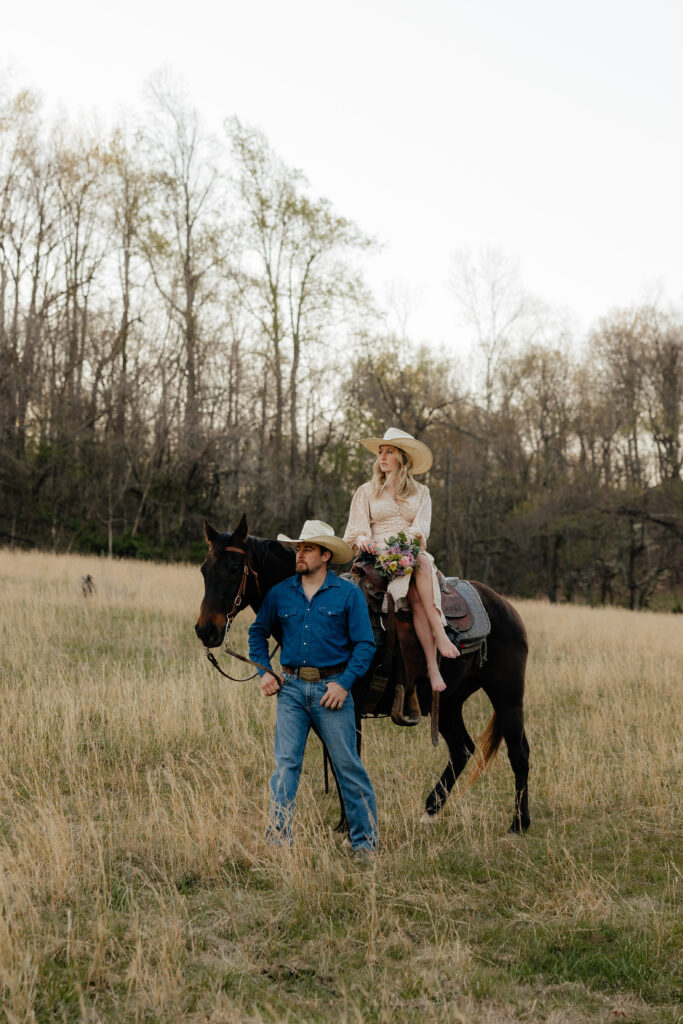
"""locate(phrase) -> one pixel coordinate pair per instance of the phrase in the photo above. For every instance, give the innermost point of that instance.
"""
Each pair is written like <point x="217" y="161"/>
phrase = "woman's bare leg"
<point x="426" y="638"/>
<point x="423" y="583"/>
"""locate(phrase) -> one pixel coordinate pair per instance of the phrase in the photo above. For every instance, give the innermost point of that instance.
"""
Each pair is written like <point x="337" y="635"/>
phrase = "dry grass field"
<point x="135" y="884"/>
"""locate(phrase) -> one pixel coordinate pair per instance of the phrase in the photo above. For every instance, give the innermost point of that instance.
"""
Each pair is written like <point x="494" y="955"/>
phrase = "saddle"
<point x="456" y="609"/>
<point x="403" y="664"/>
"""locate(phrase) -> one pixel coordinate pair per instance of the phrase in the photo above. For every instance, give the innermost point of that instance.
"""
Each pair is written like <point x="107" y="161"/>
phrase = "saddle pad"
<point x="481" y="626"/>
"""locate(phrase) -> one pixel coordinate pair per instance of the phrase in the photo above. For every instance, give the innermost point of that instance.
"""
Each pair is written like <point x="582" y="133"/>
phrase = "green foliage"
<point x="602" y="958"/>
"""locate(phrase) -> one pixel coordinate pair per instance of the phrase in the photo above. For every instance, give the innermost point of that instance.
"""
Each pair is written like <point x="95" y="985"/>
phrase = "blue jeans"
<point x="298" y="708"/>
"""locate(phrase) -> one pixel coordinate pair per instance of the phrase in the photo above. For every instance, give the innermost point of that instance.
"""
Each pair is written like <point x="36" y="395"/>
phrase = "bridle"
<point x="248" y="571"/>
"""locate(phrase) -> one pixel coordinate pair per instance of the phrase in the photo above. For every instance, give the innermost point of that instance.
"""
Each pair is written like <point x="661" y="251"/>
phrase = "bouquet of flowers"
<point x="399" y="558"/>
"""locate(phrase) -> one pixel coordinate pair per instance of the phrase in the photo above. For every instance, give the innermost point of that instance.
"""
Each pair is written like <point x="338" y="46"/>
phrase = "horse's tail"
<point x="488" y="744"/>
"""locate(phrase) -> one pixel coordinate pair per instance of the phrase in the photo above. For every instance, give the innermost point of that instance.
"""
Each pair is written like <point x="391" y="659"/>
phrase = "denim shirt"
<point x="330" y="629"/>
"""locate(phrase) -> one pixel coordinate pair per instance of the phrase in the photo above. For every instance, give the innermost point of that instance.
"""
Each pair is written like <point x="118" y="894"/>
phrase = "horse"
<point x="239" y="570"/>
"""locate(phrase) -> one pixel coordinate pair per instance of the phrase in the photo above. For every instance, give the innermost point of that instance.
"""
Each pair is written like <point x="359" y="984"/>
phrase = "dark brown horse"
<point x="240" y="569"/>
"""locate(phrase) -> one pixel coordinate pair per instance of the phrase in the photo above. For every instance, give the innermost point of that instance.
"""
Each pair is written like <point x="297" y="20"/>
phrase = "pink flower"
<point x="406" y="561"/>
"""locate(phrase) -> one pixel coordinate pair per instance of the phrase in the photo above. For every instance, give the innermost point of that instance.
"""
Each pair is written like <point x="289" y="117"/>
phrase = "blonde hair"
<point x="405" y="482"/>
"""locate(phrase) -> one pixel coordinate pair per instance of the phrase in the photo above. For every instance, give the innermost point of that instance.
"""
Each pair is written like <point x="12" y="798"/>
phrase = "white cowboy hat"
<point x="418" y="450"/>
<point x="314" y="531"/>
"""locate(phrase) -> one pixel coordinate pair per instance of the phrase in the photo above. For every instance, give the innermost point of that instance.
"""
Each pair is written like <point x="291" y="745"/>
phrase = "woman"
<point x="393" y="501"/>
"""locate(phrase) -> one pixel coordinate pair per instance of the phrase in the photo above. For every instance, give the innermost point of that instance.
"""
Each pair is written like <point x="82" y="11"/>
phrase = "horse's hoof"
<point x="517" y="829"/>
<point x="428" y="819"/>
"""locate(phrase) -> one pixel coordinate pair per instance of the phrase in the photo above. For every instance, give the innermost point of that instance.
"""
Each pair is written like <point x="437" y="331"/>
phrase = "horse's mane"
<point x="264" y="547"/>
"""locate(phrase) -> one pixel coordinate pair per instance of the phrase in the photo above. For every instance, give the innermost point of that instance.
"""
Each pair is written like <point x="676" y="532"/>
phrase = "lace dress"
<point x="385" y="516"/>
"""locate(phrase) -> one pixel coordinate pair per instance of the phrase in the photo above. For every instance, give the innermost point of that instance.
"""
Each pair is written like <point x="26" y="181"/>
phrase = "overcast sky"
<point x="549" y="131"/>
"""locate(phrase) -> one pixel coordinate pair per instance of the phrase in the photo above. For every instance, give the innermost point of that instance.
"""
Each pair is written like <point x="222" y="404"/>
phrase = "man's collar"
<point x="331" y="580"/>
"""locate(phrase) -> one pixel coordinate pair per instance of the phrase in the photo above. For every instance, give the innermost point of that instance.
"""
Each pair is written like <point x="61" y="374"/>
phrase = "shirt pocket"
<point x="329" y="611"/>
<point x="286" y="615"/>
<point x="330" y="619"/>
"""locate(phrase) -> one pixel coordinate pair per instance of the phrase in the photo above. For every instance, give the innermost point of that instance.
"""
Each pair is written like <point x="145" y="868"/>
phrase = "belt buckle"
<point x="309" y="675"/>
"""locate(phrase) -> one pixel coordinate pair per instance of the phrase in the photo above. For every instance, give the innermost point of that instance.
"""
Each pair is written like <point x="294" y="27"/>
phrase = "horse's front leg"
<point x="460" y="748"/>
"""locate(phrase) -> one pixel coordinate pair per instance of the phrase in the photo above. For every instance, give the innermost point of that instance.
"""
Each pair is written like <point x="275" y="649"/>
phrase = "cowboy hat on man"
<point x="314" y="531"/>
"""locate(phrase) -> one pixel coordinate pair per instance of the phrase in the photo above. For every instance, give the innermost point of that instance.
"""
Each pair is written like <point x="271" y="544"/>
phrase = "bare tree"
<point x="183" y="232"/>
<point x="299" y="284"/>
<point x="663" y="393"/>
<point x="499" y="313"/>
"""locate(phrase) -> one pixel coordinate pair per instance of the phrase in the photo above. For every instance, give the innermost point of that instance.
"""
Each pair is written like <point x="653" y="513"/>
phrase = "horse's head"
<point x="224" y="581"/>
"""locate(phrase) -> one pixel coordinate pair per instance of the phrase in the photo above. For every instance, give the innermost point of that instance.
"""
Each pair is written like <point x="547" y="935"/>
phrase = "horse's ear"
<point x="242" y="530"/>
<point x="210" y="533"/>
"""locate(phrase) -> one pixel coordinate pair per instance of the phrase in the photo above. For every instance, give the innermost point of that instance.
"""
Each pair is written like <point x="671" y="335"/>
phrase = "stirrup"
<point x="397" y="711"/>
<point x="413" y="705"/>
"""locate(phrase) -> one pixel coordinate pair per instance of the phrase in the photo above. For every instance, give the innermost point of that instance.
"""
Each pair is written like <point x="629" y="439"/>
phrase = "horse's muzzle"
<point x="210" y="634"/>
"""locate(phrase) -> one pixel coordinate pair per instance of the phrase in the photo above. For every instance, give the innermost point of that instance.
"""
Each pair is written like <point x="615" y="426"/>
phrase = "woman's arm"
<point x="358" y="529"/>
<point x="422" y="522"/>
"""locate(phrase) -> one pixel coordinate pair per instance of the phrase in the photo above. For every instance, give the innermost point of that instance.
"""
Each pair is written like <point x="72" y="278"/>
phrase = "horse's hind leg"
<point x="511" y="723"/>
<point x="460" y="748"/>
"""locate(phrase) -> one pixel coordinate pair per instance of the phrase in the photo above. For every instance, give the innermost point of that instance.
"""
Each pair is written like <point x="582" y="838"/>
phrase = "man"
<point x="327" y="644"/>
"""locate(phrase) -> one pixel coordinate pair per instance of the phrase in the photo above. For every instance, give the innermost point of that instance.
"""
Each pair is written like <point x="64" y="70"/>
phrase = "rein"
<point x="236" y="605"/>
<point x="237" y="679"/>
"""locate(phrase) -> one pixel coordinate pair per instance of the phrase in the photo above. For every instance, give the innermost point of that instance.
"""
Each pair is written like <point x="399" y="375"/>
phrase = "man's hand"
<point x="269" y="684"/>
<point x="335" y="695"/>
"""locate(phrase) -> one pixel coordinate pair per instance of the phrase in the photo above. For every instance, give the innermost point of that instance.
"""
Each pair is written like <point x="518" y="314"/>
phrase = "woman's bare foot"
<point x="445" y="647"/>
<point x="436" y="681"/>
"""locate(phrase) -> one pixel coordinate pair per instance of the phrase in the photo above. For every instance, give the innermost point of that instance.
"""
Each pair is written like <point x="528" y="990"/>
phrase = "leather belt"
<point x="314" y="675"/>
